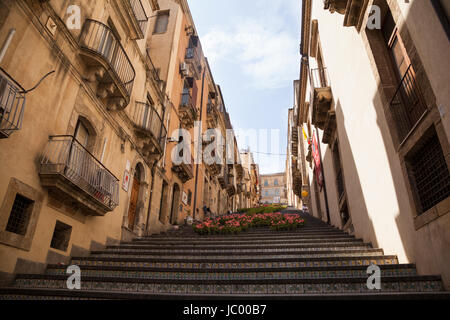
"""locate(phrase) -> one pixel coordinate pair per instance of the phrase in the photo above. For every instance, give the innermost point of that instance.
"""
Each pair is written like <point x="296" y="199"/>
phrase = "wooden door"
<point x="133" y="202"/>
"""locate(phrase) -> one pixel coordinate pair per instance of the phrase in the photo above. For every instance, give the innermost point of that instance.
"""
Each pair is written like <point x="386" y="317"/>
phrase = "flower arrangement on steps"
<point x="236" y="223"/>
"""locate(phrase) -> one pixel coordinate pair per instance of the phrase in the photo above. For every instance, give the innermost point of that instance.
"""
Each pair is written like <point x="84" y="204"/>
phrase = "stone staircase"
<point x="314" y="262"/>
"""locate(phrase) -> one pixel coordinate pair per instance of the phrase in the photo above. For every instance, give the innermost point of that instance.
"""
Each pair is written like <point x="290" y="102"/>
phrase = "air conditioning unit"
<point x="184" y="69"/>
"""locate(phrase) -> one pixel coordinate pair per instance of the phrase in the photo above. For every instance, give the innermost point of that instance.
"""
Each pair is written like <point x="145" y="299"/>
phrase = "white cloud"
<point x="266" y="47"/>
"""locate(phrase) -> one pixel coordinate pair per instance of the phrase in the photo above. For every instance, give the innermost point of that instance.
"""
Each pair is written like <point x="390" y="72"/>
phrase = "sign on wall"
<point x="126" y="180"/>
<point x="184" y="198"/>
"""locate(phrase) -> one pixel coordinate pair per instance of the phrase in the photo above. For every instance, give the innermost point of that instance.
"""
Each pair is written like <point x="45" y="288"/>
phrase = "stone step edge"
<point x="133" y="259"/>
<point x="236" y="253"/>
<point x="120" y="295"/>
<point x="236" y="239"/>
<point x="235" y="270"/>
<point x="243" y="247"/>
<point x="206" y="241"/>
<point x="385" y="279"/>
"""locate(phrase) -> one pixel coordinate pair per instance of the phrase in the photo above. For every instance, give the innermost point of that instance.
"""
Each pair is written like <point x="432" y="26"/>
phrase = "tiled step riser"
<point x="251" y="255"/>
<point x="292" y="288"/>
<point x="244" y="240"/>
<point x="238" y="247"/>
<point x="245" y="235"/>
<point x="340" y="274"/>
<point x="187" y="264"/>
<point x="199" y="251"/>
<point x="261" y="242"/>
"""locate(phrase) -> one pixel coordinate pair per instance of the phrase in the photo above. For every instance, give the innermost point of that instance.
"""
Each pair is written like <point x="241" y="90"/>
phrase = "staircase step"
<point x="249" y="238"/>
<point x="64" y="294"/>
<point x="235" y="274"/>
<point x="246" y="234"/>
<point x="229" y="242"/>
<point x="241" y="286"/>
<point x="239" y="262"/>
<point x="236" y="247"/>
<point x="251" y="254"/>
<point x="195" y="250"/>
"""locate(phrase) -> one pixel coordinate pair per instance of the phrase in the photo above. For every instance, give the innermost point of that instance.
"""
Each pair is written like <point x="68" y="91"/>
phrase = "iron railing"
<point x="147" y="118"/>
<point x="407" y="105"/>
<point x="99" y="39"/>
<point x="139" y="14"/>
<point x="12" y="105"/>
<point x="65" y="156"/>
<point x="186" y="101"/>
<point x="319" y="78"/>
<point x="193" y="55"/>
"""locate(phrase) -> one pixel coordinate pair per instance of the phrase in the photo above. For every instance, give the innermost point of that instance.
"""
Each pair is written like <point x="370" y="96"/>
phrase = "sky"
<point x="252" y="47"/>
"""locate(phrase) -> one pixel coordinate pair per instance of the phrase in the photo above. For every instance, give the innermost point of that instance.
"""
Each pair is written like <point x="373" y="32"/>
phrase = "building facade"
<point x="89" y="160"/>
<point x="373" y="113"/>
<point x="273" y="188"/>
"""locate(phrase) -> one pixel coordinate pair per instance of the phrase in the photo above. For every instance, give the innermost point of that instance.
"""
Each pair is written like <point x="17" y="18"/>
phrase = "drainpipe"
<point x="7" y="43"/>
<point x="196" y="165"/>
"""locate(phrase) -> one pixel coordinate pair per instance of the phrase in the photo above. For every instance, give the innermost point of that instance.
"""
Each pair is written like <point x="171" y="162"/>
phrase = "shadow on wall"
<point x="355" y="197"/>
<point x="428" y="246"/>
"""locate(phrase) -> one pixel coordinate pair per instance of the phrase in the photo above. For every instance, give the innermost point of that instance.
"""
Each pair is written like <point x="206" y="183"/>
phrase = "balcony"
<point x="407" y="105"/>
<point x="12" y="105"/>
<point x="214" y="168"/>
<point x="330" y="127"/>
<point x="187" y="111"/>
<point x="150" y="127"/>
<point x="231" y="189"/>
<point x="192" y="57"/>
<point x="138" y="18"/>
<point x="76" y="176"/>
<point x="107" y="64"/>
<point x="211" y="116"/>
<point x="321" y="96"/>
<point x="353" y="10"/>
<point x="184" y="170"/>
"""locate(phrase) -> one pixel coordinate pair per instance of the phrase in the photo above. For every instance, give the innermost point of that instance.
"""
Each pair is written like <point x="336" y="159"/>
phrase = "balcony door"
<point x="78" y="168"/>
<point x="134" y="198"/>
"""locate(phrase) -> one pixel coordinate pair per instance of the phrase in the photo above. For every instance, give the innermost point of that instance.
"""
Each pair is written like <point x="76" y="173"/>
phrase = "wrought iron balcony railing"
<point x="319" y="78"/>
<point x="192" y="56"/>
<point x="71" y="168"/>
<point x="147" y="119"/>
<point x="98" y="39"/>
<point x="407" y="105"/>
<point x="12" y="105"/>
<point x="139" y="14"/>
<point x="187" y="110"/>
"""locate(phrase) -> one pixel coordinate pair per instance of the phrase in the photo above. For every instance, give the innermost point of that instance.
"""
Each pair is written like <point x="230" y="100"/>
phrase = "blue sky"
<point x="253" y="49"/>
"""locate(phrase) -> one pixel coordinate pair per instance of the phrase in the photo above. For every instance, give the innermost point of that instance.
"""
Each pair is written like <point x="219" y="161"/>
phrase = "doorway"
<point x="175" y="203"/>
<point x="132" y="210"/>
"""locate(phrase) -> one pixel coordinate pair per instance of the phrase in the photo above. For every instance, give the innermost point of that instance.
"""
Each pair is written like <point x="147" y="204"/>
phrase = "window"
<point x="266" y="183"/>
<point x="275" y="182"/>
<point x="277" y="192"/>
<point x="162" y="20"/>
<point x="429" y="172"/>
<point x="20" y="215"/>
<point x="189" y="199"/>
<point x="61" y="236"/>
<point x="267" y="193"/>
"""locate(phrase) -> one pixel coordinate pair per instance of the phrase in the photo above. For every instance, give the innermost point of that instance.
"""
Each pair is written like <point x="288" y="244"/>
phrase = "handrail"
<point x="99" y="39"/>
